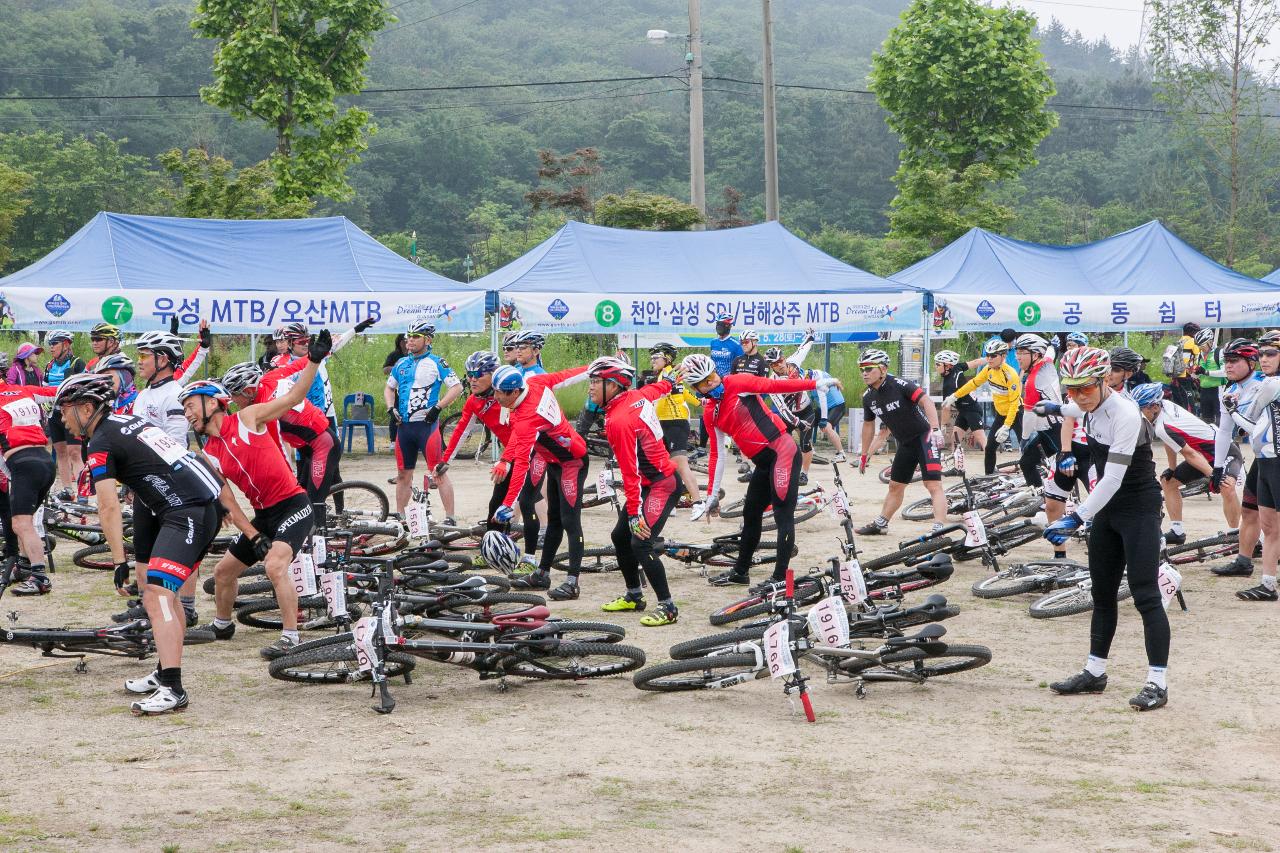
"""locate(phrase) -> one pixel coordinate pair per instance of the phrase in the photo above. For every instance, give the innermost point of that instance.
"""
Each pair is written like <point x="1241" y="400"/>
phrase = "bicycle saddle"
<point x="939" y="567"/>
<point x="534" y="617"/>
<point x="473" y="582"/>
<point x="928" y="632"/>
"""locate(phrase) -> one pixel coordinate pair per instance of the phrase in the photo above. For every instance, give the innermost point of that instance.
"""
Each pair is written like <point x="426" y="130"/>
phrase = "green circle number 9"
<point x="1028" y="313"/>
<point x="608" y="313"/>
<point x="117" y="310"/>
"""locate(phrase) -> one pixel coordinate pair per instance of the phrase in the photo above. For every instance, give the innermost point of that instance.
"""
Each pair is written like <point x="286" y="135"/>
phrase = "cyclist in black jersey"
<point x="752" y="360"/>
<point x="910" y="415"/>
<point x="175" y="517"/>
<point x="1124" y="532"/>
<point x="968" y="420"/>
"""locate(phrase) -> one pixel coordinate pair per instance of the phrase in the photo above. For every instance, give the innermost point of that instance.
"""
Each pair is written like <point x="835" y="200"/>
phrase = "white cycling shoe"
<point x="162" y="701"/>
<point x="149" y="683"/>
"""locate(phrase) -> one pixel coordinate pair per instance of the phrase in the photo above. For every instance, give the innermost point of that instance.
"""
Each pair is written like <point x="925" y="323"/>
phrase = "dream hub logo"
<point x="57" y="305"/>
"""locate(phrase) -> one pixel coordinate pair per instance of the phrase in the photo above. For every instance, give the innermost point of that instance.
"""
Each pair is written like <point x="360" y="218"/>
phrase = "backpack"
<point x="1171" y="361"/>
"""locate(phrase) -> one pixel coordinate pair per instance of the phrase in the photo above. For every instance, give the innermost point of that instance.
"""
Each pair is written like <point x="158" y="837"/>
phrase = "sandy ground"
<point x="986" y="760"/>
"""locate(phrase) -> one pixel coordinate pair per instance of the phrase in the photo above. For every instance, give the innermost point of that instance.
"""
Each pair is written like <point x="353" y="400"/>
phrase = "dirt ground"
<point x="985" y="760"/>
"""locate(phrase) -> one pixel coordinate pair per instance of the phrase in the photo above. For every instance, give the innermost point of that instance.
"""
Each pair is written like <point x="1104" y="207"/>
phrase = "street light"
<point x="693" y="60"/>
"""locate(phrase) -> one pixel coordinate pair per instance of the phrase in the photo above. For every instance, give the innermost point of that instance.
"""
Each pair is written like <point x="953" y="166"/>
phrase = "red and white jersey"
<point x="301" y="425"/>
<point x="22" y="421"/>
<point x="254" y="462"/>
<point x="1178" y="428"/>
<point x="484" y="408"/>
<point x="538" y="426"/>
<point x="634" y="432"/>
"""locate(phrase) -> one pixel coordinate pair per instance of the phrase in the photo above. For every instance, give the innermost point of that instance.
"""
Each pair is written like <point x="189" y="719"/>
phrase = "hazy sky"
<point x="1118" y="20"/>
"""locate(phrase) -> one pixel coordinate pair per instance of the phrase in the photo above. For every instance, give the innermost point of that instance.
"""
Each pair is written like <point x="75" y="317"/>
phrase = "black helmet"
<point x="1241" y="348"/>
<point x="1123" y="358"/>
<point x="85" y="388"/>
<point x="664" y="349"/>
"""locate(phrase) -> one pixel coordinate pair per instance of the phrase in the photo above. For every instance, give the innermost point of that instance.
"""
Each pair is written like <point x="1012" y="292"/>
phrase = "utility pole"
<point x="770" y="122"/>
<point x="697" y="171"/>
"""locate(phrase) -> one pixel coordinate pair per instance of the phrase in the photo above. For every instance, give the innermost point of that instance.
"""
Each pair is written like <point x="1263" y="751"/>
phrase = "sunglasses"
<point x="869" y="367"/>
<point x="1269" y="352"/>
<point x="476" y="374"/>
<point x="1081" y="390"/>
<point x="508" y="348"/>
<point x="417" y="335"/>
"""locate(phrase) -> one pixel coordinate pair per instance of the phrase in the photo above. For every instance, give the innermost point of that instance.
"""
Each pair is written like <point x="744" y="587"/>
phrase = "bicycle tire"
<point x="1232" y="538"/>
<point x="887" y="471"/>
<point x="471" y="444"/>
<point x="313" y="614"/>
<point x="615" y="659"/>
<point x="498" y="603"/>
<point x="733" y="509"/>
<point x="810" y="510"/>
<point x="699" y="673"/>
<point x="928" y="664"/>
<point x="198" y="637"/>
<point x="1002" y="540"/>
<point x="577" y="631"/>
<point x="361" y="501"/>
<point x="1014" y="580"/>
<point x="919" y="549"/>
<point x="334" y="663"/>
<point x="257" y="570"/>
<point x="704" y="646"/>
<point x="921" y="510"/>
<point x="594" y="560"/>
<point x="807" y="591"/>
<point x="1068" y="602"/>
<point x="98" y="557"/>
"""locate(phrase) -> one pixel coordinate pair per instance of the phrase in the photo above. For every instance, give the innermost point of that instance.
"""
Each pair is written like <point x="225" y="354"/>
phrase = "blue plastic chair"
<point x="357" y="411"/>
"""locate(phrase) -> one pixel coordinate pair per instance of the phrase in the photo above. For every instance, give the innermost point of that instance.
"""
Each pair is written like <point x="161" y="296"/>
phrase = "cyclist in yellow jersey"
<point x="1185" y="384"/>
<point x="1006" y="391"/>
<point x="673" y="413"/>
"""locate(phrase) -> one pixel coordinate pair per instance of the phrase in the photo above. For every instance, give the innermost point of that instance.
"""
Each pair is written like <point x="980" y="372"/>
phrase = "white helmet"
<point x="500" y="551"/>
<point x="1035" y="343"/>
<point x="241" y="377"/>
<point x="749" y="335"/>
<point x="697" y="367"/>
<point x="873" y="357"/>
<point x="947" y="356"/>
<point x="161" y="342"/>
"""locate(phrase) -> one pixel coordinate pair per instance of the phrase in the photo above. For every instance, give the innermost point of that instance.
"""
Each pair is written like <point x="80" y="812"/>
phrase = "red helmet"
<point x="1241" y="348"/>
<point x="1084" y="365"/>
<point x="616" y="369"/>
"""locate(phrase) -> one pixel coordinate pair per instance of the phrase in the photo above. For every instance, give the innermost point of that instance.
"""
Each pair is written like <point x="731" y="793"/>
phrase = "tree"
<point x="13" y="201"/>
<point x="1214" y="69"/>
<point x="965" y="87"/>
<point x="208" y="186"/>
<point x="646" y="211"/>
<point x="284" y="62"/>
<point x="567" y="182"/>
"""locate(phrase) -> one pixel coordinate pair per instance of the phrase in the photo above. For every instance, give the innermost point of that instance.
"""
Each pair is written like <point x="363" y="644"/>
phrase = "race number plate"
<point x="319" y="551"/>
<point x="839" y="504"/>
<point x="1170" y="581"/>
<point x="302" y="574"/>
<point x="829" y="623"/>
<point x="853" y="586"/>
<point x="334" y="587"/>
<point x="388" y="627"/>
<point x="604" y="484"/>
<point x="957" y="458"/>
<point x="366" y="651"/>
<point x="777" y="650"/>
<point x="975" y="532"/>
<point x="419" y="528"/>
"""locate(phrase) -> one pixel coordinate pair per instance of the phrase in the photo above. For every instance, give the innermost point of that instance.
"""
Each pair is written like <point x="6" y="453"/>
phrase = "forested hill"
<point x="454" y="165"/>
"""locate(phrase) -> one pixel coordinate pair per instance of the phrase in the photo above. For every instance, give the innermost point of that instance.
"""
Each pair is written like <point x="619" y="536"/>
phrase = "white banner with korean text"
<point x="974" y="312"/>
<point x="697" y="312"/>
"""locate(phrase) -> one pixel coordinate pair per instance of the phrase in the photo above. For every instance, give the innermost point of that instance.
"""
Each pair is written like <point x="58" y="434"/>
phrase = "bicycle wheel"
<point x="575" y="661"/>
<point x="921" y="510"/>
<point x="1211" y="542"/>
<point x="588" y="632"/>
<point x="373" y="540"/>
<point x="470" y="445"/>
<point x="313" y="614"/>
<point x="704" y="646"/>
<point x="887" y="470"/>
<point x="804" y="512"/>
<point x="807" y="591"/>
<point x="256" y="571"/>
<point x="198" y="637"/>
<point x="924" y="663"/>
<point x="99" y="557"/>
<point x="919" y="549"/>
<point x="361" y="502"/>
<point x="733" y="509"/>
<point x="496" y="604"/>
<point x="334" y="663"/>
<point x="1063" y="602"/>
<point x="700" y="673"/>
<point x="1015" y="580"/>
<point x="593" y="560"/>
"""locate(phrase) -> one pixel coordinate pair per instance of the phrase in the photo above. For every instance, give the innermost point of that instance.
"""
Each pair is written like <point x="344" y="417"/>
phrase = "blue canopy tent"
<point x="1273" y="276"/>
<point x="1142" y="279"/>
<point x="241" y="275"/>
<point x="586" y="278"/>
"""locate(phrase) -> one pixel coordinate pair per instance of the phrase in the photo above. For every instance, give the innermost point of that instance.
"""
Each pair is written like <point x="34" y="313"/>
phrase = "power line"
<point x="428" y="18"/>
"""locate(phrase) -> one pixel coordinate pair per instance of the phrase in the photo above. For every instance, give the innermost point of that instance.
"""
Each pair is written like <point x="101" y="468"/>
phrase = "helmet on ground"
<point x="239" y="378"/>
<point x="1241" y="348"/>
<point x="160" y="342"/>
<point x="1031" y="342"/>
<point x="56" y="337"/>
<point x="697" y="367"/>
<point x="1123" y="358"/>
<point x="614" y="369"/>
<point x="85" y="388"/>
<point x="421" y="327"/>
<point x="773" y="355"/>
<point x="1083" y="365"/>
<point x="873" y="358"/>
<point x="115" y="361"/>
<point x="481" y="362"/>
<point x="533" y="339"/>
<point x="995" y="346"/>
<point x="104" y="330"/>
<point x="1147" y="393"/>
<point x="663" y="349"/>
<point x="749" y="335"/>
<point x="206" y="388"/>
<point x="508" y="378"/>
<point x="499" y="551"/>
<point x="294" y="331"/>
<point x="947" y="356"/>
<point x="1204" y="338"/>
<point x="1078" y="338"/>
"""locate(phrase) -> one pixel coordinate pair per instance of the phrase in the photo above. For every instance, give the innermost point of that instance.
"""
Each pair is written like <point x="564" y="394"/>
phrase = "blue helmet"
<point x="508" y="378"/>
<point x="1145" y="395"/>
<point x="1078" y="338"/>
<point x="206" y="388"/>
<point x="481" y="362"/>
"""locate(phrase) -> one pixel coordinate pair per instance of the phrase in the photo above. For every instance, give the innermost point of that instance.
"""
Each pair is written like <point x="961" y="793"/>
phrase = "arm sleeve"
<point x="1119" y="456"/>
<point x="744" y="383"/>
<point x="518" y="452"/>
<point x="562" y="378"/>
<point x="192" y="364"/>
<point x="622" y="438"/>
<point x="655" y="391"/>
<point x="1072" y="410"/>
<point x="716" y="463"/>
<point x="1015" y="393"/>
<point x="802" y="352"/>
<point x="343" y="339"/>
<point x="460" y="430"/>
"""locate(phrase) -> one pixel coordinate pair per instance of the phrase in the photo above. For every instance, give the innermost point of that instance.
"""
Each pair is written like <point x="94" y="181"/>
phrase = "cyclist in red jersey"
<point x="243" y="451"/>
<point x="31" y="472"/>
<point x="733" y="407"/>
<point x="650" y="486"/>
<point x="539" y="428"/>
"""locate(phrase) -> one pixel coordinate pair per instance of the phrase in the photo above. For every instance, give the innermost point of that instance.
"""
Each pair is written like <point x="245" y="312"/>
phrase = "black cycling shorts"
<point x="1268" y="492"/>
<point x="968" y="419"/>
<point x="1249" y="498"/>
<point x="58" y="430"/>
<point x="675" y="435"/>
<point x="913" y="452"/>
<point x="835" y="415"/>
<point x="171" y="546"/>
<point x="806" y="426"/>
<point x="289" y="521"/>
<point x="31" y="473"/>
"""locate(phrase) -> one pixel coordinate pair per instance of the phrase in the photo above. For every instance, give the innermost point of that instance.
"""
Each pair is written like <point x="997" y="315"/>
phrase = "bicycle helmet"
<point x="663" y="349"/>
<point x="1146" y="394"/>
<point x="1083" y="365"/>
<point x="1123" y="358"/>
<point x="58" y="336"/>
<point x="160" y="342"/>
<point x="1034" y="343"/>
<point x="1271" y="338"/>
<point x="115" y="361"/>
<point x="239" y="378"/>
<point x="697" y="367"/>
<point x="947" y="356"/>
<point x="1078" y="338"/>
<point x="749" y="335"/>
<point x="508" y="378"/>
<point x="995" y="346"/>
<point x="294" y="331"/>
<point x="421" y="327"/>
<point x="1241" y="348"/>
<point x="85" y="388"/>
<point x="278" y="334"/>
<point x="104" y="330"/>
<point x="508" y="339"/>
<point x="724" y="318"/>
<point x="873" y="358"/>
<point x="614" y="369"/>
<point x="1204" y="338"/>
<point x="499" y="551"/>
<point x="481" y="361"/>
<point x="773" y="355"/>
<point x="206" y="388"/>
<point x="533" y="339"/>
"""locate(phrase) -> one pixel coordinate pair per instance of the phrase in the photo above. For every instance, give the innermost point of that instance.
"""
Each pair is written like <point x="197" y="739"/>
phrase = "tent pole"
<point x="926" y="374"/>
<point x="495" y="453"/>
<point x="253" y="348"/>
<point x="635" y="349"/>
<point x="826" y="353"/>
<point x="1126" y="337"/>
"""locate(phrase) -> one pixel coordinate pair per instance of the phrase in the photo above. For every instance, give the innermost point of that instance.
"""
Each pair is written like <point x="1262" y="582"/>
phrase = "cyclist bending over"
<point x="1005" y="391"/>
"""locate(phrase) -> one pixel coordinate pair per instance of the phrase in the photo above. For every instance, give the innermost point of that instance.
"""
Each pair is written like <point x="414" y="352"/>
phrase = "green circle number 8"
<point x="608" y="313"/>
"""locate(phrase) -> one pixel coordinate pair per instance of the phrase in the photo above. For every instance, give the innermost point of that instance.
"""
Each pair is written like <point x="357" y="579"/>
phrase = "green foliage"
<point x="941" y="204"/>
<point x="13" y="201"/>
<point x="647" y="211"/>
<point x="284" y="63"/>
<point x="208" y="186"/>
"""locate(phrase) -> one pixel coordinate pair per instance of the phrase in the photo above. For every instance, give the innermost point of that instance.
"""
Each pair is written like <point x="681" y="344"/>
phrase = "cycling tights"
<point x="775" y="481"/>
<point x="564" y="512"/>
<point x="657" y="502"/>
<point x="529" y="497"/>
<point x="1042" y="445"/>
<point x="992" y="445"/>
<point x="318" y="466"/>
<point x="1116" y="540"/>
